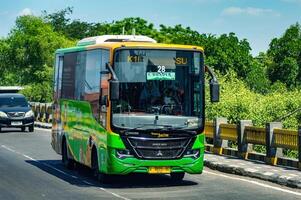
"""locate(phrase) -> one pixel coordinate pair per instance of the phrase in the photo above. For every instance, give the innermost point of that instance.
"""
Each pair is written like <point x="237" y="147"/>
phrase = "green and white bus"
<point x="127" y="104"/>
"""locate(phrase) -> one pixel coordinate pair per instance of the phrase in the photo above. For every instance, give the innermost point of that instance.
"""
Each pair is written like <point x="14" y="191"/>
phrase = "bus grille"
<point x="159" y="148"/>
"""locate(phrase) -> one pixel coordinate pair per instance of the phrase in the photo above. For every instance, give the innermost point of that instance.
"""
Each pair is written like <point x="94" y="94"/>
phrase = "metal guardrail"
<point x="209" y="129"/>
<point x="255" y="135"/>
<point x="286" y="139"/>
<point x="228" y="132"/>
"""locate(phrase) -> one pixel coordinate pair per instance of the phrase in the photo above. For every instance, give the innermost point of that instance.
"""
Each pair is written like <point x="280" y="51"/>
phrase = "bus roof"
<point x="127" y="44"/>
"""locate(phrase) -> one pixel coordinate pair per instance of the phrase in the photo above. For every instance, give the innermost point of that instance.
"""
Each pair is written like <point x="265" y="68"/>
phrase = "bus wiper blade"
<point x="156" y="125"/>
<point x="176" y="128"/>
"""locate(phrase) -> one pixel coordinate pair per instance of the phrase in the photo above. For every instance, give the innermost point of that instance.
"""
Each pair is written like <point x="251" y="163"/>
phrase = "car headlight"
<point x="29" y="114"/>
<point x="3" y="114"/>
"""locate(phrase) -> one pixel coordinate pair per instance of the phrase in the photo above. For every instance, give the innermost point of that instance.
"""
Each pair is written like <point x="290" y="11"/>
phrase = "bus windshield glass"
<point x="159" y="89"/>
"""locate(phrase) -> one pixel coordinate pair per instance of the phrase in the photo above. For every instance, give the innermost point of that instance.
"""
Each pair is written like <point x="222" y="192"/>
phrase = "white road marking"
<point x="114" y="194"/>
<point x="54" y="168"/>
<point x="254" y="182"/>
<point x="88" y="183"/>
<point x="7" y="148"/>
<point x="43" y="129"/>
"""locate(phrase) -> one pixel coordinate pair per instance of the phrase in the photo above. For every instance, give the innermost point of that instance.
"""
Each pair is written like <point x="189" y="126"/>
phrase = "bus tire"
<point x="101" y="177"/>
<point x="67" y="162"/>
<point x="177" y="177"/>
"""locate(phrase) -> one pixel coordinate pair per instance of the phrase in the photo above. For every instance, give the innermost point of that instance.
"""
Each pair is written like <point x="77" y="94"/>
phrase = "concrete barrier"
<point x="273" y="137"/>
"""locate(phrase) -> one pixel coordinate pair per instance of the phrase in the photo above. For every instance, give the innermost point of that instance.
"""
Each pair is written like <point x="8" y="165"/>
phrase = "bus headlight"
<point x="192" y="122"/>
<point x="29" y="114"/>
<point x="3" y="114"/>
<point x="123" y="153"/>
<point x="192" y="153"/>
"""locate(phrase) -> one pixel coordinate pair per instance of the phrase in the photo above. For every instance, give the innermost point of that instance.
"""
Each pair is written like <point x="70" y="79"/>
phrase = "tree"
<point x="3" y="58"/>
<point x="286" y="71"/>
<point x="58" y="20"/>
<point x="286" y="56"/>
<point x="141" y="26"/>
<point x="257" y="77"/>
<point x="228" y="52"/>
<point x="32" y="44"/>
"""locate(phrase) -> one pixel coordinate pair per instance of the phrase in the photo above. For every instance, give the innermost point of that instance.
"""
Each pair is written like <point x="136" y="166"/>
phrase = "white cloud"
<point x="26" y="11"/>
<point x="247" y="11"/>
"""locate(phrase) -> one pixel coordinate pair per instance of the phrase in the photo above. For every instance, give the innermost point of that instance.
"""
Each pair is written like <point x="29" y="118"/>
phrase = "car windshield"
<point x="13" y="102"/>
<point x="158" y="89"/>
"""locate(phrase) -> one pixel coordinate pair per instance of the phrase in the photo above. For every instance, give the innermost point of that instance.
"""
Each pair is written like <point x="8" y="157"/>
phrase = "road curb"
<point x="42" y="125"/>
<point x="263" y="175"/>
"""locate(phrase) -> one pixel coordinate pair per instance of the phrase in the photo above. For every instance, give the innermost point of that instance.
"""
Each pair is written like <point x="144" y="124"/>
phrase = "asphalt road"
<point x="30" y="169"/>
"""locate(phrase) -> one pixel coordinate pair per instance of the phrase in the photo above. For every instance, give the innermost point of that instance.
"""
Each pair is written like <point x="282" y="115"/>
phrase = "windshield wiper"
<point x="155" y="125"/>
<point x="163" y="127"/>
<point x="184" y="128"/>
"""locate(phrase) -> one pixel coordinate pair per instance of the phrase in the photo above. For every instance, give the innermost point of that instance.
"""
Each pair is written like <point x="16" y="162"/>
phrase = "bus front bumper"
<point x="133" y="165"/>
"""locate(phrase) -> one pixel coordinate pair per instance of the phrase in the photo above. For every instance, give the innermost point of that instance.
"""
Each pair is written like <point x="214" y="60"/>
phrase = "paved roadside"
<point x="288" y="176"/>
<point x="278" y="174"/>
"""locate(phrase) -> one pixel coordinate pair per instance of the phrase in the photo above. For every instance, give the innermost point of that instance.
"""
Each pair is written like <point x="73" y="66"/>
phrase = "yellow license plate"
<point x="159" y="170"/>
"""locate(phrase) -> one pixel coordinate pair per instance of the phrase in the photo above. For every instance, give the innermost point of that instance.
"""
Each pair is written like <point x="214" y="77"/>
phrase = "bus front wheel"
<point x="177" y="176"/>
<point x="67" y="162"/>
<point x="101" y="177"/>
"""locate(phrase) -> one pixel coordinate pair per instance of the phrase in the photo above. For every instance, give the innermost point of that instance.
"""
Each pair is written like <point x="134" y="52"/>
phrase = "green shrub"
<point x="238" y="102"/>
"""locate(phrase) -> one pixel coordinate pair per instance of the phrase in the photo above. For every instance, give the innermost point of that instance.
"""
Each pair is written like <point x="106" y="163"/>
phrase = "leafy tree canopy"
<point x="285" y="53"/>
<point x="30" y="48"/>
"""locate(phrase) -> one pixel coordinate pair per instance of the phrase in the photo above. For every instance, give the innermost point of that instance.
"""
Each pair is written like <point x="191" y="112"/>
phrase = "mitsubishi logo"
<point x="159" y="153"/>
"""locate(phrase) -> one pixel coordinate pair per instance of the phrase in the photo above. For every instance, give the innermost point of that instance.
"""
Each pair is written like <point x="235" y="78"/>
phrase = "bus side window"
<point x="92" y="77"/>
<point x="68" y="81"/>
<point x="58" y="77"/>
<point x="105" y="57"/>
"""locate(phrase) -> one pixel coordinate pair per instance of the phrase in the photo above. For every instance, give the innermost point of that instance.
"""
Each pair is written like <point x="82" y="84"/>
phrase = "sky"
<point x="259" y="21"/>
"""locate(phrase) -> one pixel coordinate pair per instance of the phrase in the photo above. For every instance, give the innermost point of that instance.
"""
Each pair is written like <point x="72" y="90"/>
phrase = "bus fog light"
<point x="194" y="153"/>
<point x="123" y="153"/>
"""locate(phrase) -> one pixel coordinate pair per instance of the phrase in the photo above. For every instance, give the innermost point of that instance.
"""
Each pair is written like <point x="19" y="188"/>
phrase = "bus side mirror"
<point x="214" y="91"/>
<point x="114" y="90"/>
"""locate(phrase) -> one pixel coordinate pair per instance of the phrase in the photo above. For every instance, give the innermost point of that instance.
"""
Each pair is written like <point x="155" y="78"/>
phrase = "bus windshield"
<point x="158" y="89"/>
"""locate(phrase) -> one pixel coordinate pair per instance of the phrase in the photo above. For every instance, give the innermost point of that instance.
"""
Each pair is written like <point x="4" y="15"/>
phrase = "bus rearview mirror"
<point x="214" y="91"/>
<point x="114" y="90"/>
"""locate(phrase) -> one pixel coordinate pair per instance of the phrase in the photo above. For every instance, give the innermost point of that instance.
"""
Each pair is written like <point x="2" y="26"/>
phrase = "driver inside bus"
<point x="174" y="95"/>
<point x="149" y="95"/>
